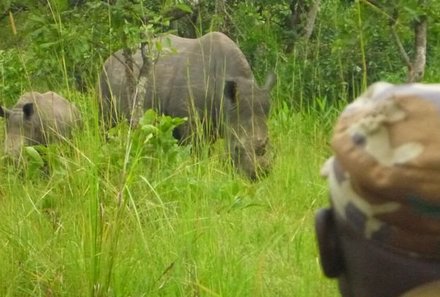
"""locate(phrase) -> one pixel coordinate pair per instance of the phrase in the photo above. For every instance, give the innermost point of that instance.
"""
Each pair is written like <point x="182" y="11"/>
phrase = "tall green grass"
<point x="105" y="218"/>
<point x="91" y="224"/>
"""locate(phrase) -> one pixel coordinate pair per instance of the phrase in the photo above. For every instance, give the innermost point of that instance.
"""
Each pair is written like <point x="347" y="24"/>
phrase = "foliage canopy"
<point x="60" y="43"/>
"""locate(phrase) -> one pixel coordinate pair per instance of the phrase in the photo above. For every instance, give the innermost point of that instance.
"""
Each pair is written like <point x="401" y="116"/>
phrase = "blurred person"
<point x="380" y="237"/>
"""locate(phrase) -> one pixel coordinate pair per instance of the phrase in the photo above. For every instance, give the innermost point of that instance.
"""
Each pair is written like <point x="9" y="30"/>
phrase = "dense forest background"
<point x="320" y="49"/>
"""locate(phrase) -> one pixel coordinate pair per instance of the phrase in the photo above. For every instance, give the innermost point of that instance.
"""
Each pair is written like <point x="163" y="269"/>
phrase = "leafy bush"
<point x="152" y="144"/>
<point x="13" y="77"/>
<point x="351" y="45"/>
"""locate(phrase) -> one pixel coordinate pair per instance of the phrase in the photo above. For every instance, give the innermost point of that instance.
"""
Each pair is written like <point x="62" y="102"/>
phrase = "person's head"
<point x="380" y="237"/>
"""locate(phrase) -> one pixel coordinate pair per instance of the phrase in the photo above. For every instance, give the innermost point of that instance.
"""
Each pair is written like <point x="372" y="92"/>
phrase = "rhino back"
<point x="195" y="75"/>
<point x="188" y="76"/>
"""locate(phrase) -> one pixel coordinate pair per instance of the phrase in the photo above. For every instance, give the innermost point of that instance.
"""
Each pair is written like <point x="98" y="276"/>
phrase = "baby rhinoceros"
<point x="38" y="119"/>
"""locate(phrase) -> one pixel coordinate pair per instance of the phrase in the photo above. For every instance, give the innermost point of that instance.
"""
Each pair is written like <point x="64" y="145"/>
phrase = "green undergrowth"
<point x="134" y="214"/>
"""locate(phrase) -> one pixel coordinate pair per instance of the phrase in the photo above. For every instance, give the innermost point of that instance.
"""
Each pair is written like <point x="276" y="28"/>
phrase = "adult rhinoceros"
<point x="209" y="81"/>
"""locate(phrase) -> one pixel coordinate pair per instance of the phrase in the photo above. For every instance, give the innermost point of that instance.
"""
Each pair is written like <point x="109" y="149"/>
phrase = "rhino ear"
<point x="230" y="90"/>
<point x="28" y="110"/>
<point x="4" y="112"/>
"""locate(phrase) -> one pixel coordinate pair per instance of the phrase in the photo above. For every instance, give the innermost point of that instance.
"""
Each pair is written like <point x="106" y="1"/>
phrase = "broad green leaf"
<point x="184" y="7"/>
<point x="34" y="155"/>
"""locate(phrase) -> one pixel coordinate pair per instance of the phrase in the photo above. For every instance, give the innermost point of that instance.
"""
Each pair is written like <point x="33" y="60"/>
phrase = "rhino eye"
<point x="260" y="146"/>
<point x="260" y="150"/>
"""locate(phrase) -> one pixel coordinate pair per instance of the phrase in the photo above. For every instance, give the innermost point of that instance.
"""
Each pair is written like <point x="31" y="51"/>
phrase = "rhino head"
<point x="20" y="128"/>
<point x="247" y="131"/>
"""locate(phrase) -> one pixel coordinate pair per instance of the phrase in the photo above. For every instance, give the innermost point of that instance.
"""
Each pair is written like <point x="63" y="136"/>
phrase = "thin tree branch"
<point x="16" y="8"/>
<point x="399" y="44"/>
<point x="127" y="53"/>
<point x="378" y="7"/>
<point x="402" y="51"/>
<point x="141" y="87"/>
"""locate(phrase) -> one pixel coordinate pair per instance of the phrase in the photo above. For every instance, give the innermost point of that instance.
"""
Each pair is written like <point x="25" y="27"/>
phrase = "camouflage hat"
<point x="426" y="290"/>
<point x="385" y="173"/>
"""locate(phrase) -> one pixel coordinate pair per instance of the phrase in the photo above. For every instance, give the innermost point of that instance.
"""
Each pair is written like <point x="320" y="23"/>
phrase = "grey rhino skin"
<point x="38" y="118"/>
<point x="207" y="80"/>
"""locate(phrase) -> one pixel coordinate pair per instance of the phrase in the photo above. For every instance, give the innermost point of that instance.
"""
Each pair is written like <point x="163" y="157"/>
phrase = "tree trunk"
<point x="416" y="66"/>
<point x="128" y="62"/>
<point x="417" y="69"/>
<point x="311" y="18"/>
<point x="294" y="23"/>
<point x="141" y="88"/>
<point x="301" y="21"/>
